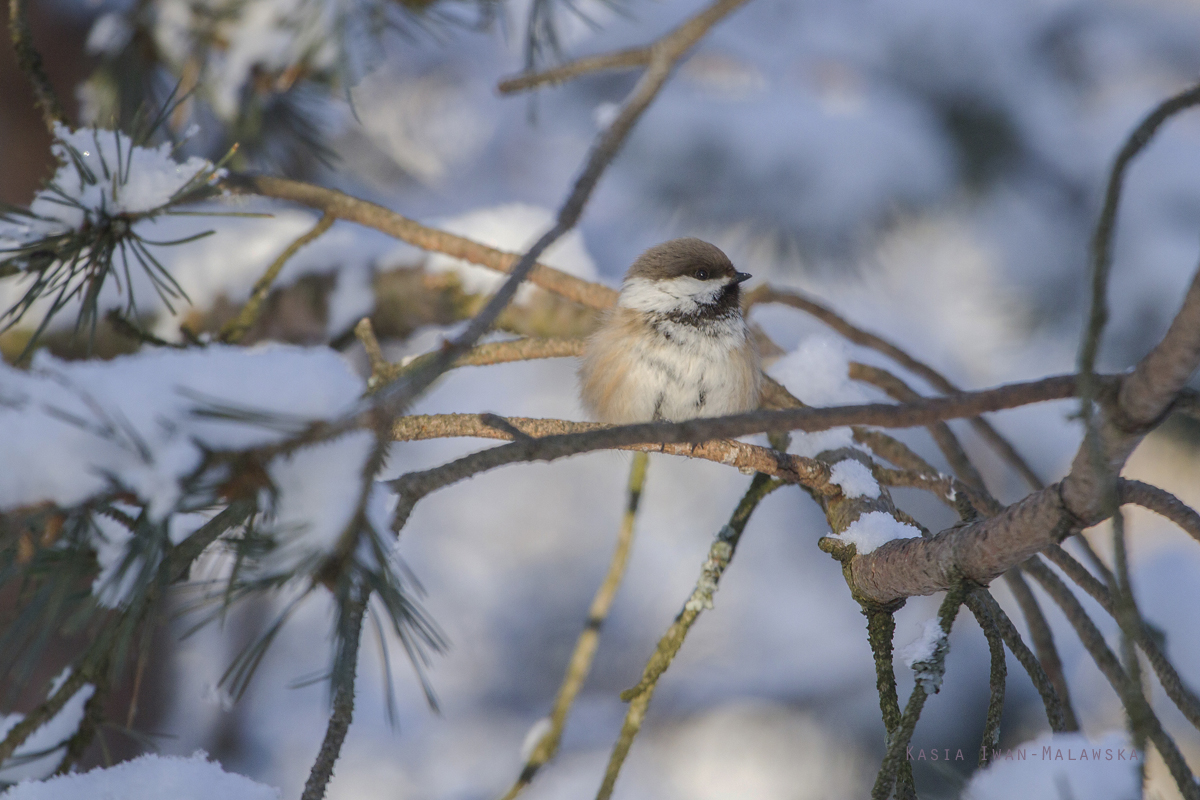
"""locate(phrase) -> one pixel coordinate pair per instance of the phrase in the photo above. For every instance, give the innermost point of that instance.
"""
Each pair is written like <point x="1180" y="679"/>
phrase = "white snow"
<point x="855" y="478"/>
<point x="513" y="227"/>
<point x="150" y="777"/>
<point x="1061" y="765"/>
<point x="817" y="374"/>
<point x="123" y="179"/>
<point x="534" y="737"/>
<point x="54" y="732"/>
<point x="875" y="529"/>
<point x="924" y="646"/>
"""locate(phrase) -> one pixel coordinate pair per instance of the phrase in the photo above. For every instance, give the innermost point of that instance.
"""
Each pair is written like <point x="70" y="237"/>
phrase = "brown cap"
<point x="689" y="256"/>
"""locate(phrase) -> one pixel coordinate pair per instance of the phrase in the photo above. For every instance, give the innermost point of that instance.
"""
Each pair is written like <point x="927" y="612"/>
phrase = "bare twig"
<point x="30" y="62"/>
<point x="343" y="206"/>
<point x="1136" y="705"/>
<point x="580" y="664"/>
<point x="742" y="456"/>
<point x="719" y="556"/>
<point x="622" y="59"/>
<point x="1161" y="502"/>
<point x="343" y="705"/>
<point x="236" y="328"/>
<point x="881" y="629"/>
<point x="767" y="294"/>
<point x="1043" y="642"/>
<point x="1178" y="692"/>
<point x="1101" y="249"/>
<point x="415" y="485"/>
<point x="486" y="354"/>
<point x="1041" y="682"/>
<point x="997" y="678"/>
<point x="945" y="439"/>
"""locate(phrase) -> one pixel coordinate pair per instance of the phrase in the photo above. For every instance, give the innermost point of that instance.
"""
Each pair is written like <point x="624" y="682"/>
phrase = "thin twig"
<point x="997" y="676"/>
<point x="767" y="294"/>
<point x="1161" y="502"/>
<point x="1016" y="645"/>
<point x="744" y="457"/>
<point x="945" y="439"/>
<point x="30" y="62"/>
<point x="881" y="629"/>
<point x="486" y="354"/>
<point x="416" y="485"/>
<point x="343" y="705"/>
<point x="1101" y="247"/>
<point x="622" y="59"/>
<point x="929" y="680"/>
<point x="580" y="664"/>
<point x="236" y="328"/>
<point x="1043" y="642"/>
<point x="1178" y="692"/>
<point x="1136" y="706"/>
<point x="351" y="209"/>
<point x="719" y="556"/>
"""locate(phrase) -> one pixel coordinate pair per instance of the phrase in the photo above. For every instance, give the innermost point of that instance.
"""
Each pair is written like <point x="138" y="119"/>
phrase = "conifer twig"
<point x="343" y="704"/>
<point x="30" y="62"/>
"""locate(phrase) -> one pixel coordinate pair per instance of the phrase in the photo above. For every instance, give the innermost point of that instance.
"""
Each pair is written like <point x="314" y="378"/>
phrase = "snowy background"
<point x="930" y="168"/>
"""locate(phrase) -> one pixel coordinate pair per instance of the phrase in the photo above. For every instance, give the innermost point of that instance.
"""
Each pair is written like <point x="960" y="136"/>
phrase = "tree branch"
<point x="1161" y="502"/>
<point x="30" y="62"/>
<point x="415" y="485"/>
<point x="580" y="664"/>
<point x="622" y="59"/>
<point x="1101" y="248"/>
<point x="767" y="294"/>
<point x="1047" y="651"/>
<point x="351" y="209"/>
<point x="719" y="556"/>
<point x="1138" y="708"/>
<point x="343" y="704"/>
<point x="236" y="328"/>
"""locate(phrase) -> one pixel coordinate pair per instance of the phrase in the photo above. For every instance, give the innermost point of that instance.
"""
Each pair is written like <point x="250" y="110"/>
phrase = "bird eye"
<point x="702" y="274"/>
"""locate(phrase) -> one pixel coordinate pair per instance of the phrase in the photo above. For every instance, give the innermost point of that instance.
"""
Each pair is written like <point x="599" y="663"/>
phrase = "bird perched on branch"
<point x="676" y="346"/>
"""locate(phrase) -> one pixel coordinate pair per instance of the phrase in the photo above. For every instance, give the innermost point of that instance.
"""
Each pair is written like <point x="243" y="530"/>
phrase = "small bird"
<point x="676" y="346"/>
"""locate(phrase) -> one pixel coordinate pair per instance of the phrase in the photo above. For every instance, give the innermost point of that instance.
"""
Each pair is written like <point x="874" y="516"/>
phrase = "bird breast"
<point x="640" y="367"/>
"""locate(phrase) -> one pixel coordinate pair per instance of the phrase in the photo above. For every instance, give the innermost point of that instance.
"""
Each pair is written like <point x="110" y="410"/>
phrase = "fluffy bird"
<point x="676" y="346"/>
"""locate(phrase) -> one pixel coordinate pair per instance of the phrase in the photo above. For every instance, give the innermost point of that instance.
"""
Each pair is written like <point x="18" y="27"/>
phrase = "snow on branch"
<point x="80" y="230"/>
<point x="150" y="458"/>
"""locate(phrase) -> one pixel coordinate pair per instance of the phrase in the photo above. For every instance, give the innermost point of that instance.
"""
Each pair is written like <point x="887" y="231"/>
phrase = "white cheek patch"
<point x="683" y="293"/>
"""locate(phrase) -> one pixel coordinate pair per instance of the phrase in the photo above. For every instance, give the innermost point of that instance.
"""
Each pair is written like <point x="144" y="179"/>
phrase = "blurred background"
<point x="931" y="168"/>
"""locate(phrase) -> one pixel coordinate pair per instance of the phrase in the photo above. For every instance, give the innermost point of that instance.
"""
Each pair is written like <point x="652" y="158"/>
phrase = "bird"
<point x="676" y="345"/>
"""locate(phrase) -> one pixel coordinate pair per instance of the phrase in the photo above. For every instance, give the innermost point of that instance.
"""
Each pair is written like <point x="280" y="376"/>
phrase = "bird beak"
<point x="741" y="277"/>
